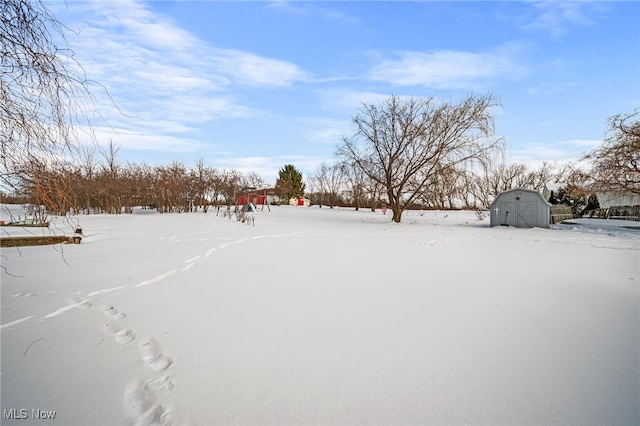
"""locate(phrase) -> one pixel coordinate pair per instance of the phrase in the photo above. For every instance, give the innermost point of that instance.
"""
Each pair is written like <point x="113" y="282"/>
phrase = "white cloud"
<point x="133" y="18"/>
<point x="446" y="69"/>
<point x="571" y="150"/>
<point x="327" y="135"/>
<point x="135" y="66"/>
<point x="248" y="68"/>
<point x="137" y="140"/>
<point x="588" y="144"/>
<point x="350" y="101"/>
<point x="129" y="31"/>
<point x="557" y="17"/>
<point x="327" y="131"/>
<point x="167" y="79"/>
<point x="546" y="88"/>
<point x="162" y="79"/>
<point x="312" y="10"/>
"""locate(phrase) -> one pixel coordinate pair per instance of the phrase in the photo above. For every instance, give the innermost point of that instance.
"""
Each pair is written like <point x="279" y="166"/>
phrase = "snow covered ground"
<point x="321" y="316"/>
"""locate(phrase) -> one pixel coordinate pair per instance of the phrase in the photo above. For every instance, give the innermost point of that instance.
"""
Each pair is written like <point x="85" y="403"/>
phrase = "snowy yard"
<point x="319" y="316"/>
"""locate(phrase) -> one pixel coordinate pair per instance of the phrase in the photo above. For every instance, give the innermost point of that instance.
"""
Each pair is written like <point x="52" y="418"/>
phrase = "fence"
<point x="560" y="213"/>
<point x="617" y="212"/>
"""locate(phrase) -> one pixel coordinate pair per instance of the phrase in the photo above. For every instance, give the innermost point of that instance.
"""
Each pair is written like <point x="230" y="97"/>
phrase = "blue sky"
<point x="257" y="85"/>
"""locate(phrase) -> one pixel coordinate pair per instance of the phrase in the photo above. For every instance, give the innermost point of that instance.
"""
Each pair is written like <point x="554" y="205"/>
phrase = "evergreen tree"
<point x="289" y="183"/>
<point x="592" y="203"/>
<point x="579" y="199"/>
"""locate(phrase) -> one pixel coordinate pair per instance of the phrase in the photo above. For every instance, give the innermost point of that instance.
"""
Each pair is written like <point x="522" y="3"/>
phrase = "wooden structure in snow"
<point x="521" y="208"/>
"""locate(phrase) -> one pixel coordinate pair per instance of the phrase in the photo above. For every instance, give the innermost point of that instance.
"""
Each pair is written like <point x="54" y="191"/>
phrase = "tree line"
<point x="399" y="163"/>
<point x="343" y="184"/>
<point x="424" y="152"/>
<point x="404" y="151"/>
<point x="107" y="186"/>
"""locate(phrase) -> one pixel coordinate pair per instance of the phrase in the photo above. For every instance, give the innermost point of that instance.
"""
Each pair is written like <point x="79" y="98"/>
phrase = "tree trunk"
<point x="397" y="214"/>
<point x="395" y="204"/>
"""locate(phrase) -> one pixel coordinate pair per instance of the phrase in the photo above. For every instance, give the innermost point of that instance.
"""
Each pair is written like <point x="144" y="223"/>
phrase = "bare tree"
<point x="144" y="184"/>
<point x="319" y="183"/>
<point x="403" y="143"/>
<point x="86" y="178"/>
<point x="443" y="190"/>
<point x="180" y="190"/>
<point x="44" y="92"/>
<point x="110" y="187"/>
<point x="538" y="178"/>
<point x="356" y="184"/>
<point x="253" y="180"/>
<point x="47" y="184"/>
<point x="231" y="183"/>
<point x="335" y="183"/>
<point x="214" y="177"/>
<point x="201" y="179"/>
<point x="616" y="164"/>
<point x="326" y="183"/>
<point x="492" y="180"/>
<point x="374" y="191"/>
<point x="312" y="193"/>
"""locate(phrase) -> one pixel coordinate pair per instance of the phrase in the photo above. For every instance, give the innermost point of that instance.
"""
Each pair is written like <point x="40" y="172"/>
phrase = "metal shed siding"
<point x="522" y="208"/>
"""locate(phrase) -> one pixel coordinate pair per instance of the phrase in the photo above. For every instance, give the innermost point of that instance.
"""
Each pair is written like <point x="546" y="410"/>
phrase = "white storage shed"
<point x="522" y="208"/>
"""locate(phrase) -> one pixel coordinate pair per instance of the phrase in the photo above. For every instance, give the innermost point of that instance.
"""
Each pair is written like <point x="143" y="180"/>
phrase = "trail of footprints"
<point x="140" y="397"/>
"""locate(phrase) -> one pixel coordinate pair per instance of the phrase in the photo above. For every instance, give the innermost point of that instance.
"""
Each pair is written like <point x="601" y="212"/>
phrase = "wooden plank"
<point x="37" y="240"/>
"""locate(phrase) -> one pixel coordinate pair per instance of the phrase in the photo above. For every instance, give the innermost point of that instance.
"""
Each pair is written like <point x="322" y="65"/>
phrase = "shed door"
<point x="509" y="214"/>
<point x="521" y="214"/>
<point x="526" y="214"/>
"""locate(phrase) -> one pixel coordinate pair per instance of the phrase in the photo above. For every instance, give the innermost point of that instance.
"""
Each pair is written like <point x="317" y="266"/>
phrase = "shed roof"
<point x="529" y="191"/>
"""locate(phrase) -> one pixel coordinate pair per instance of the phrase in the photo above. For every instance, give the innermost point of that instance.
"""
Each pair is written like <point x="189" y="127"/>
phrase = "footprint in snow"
<point x="152" y="355"/>
<point x="112" y="312"/>
<point x="164" y="383"/>
<point x="120" y="335"/>
<point x="142" y="406"/>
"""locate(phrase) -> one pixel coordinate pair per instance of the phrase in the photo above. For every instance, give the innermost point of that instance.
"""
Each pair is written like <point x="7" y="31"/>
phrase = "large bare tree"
<point x="404" y="143"/>
<point x="44" y="93"/>
<point x="616" y="164"/>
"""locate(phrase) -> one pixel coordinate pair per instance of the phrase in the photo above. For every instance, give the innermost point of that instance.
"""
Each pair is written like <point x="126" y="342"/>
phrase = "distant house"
<point x="608" y="199"/>
<point x="522" y="208"/>
<point x="268" y="197"/>
<point x="258" y="197"/>
<point x="299" y="201"/>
